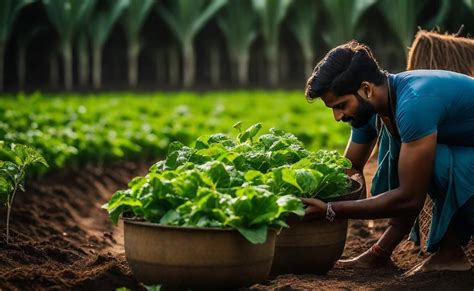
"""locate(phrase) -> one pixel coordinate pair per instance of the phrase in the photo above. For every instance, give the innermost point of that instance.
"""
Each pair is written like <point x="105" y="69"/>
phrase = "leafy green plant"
<point x="16" y="159"/>
<point x="302" y="23"/>
<point x="132" y="19"/>
<point x="103" y="128"/>
<point x="23" y="41"/>
<point x="238" y="24"/>
<point x="66" y="17"/>
<point x="271" y="14"/>
<point x="469" y="3"/>
<point x="343" y="17"/>
<point x="185" y="19"/>
<point x="9" y="10"/>
<point x="247" y="183"/>
<point x="99" y="29"/>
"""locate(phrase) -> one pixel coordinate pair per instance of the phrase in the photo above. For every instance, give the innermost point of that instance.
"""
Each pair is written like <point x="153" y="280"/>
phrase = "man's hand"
<point x="315" y="207"/>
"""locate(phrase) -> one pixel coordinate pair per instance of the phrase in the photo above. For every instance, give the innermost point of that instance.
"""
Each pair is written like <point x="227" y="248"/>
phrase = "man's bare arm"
<point x="414" y="171"/>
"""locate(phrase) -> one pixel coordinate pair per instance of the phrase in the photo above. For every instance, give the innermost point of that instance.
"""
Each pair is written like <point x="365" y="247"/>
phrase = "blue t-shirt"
<point x="429" y="101"/>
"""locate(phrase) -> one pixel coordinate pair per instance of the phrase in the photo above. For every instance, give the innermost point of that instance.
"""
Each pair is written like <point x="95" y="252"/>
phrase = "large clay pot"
<point x="184" y="257"/>
<point x="311" y="246"/>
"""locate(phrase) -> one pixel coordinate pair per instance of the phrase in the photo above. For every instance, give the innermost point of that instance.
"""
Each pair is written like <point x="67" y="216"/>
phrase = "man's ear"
<point x="367" y="89"/>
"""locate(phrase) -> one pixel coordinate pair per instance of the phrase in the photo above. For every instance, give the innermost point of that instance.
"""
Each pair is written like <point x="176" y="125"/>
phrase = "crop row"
<point x="72" y="130"/>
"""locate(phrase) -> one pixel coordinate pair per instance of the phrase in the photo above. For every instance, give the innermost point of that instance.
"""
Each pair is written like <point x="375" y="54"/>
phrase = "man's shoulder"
<point x="430" y="77"/>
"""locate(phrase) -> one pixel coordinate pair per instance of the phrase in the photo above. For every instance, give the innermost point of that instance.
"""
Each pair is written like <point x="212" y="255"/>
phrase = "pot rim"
<point x="348" y="194"/>
<point x="181" y="228"/>
<point x="171" y="227"/>
<point x="358" y="189"/>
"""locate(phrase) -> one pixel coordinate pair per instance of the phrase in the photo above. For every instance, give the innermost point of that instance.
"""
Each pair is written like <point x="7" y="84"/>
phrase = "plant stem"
<point x="10" y="201"/>
<point x="9" y="208"/>
<point x="8" y="221"/>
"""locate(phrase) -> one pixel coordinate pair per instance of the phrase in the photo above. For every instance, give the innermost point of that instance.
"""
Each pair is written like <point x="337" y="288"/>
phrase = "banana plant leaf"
<point x="343" y="17"/>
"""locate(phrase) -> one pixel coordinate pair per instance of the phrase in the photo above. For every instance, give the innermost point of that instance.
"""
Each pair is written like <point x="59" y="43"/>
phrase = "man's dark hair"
<point x="342" y="71"/>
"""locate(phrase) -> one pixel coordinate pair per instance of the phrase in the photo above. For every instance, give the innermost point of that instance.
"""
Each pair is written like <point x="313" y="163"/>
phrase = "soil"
<point x="61" y="239"/>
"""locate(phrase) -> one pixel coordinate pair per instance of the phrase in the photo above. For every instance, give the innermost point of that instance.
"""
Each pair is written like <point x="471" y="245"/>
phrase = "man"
<point x="424" y="121"/>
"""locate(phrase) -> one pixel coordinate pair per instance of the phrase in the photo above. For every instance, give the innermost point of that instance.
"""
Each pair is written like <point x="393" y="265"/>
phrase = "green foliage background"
<point x="72" y="130"/>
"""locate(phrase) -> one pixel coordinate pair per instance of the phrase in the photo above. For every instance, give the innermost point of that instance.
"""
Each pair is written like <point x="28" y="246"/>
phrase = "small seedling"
<point x="14" y="162"/>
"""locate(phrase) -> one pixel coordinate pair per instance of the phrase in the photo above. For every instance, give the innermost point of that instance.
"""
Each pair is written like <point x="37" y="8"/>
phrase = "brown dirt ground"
<point x="62" y="240"/>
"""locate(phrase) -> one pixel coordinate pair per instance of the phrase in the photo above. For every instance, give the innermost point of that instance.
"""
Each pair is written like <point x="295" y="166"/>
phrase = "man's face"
<point x="351" y="108"/>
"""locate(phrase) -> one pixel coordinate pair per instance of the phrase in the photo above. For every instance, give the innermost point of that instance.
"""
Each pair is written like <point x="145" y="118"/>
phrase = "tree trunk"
<point x="133" y="52"/>
<point x="160" y="65"/>
<point x="272" y="69"/>
<point x="67" y="55"/>
<point x="308" y="63"/>
<point x="188" y="64"/>
<point x="97" y="67"/>
<point x="2" y="59"/>
<point x="21" y="67"/>
<point x="53" y="70"/>
<point x="83" y="64"/>
<point x="243" y="68"/>
<point x="173" y="65"/>
<point x="283" y="64"/>
<point x="214" y="64"/>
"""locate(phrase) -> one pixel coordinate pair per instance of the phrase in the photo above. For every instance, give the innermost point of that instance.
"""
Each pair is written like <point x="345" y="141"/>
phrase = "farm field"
<point x="71" y="130"/>
<point x="60" y="236"/>
<point x="175" y="145"/>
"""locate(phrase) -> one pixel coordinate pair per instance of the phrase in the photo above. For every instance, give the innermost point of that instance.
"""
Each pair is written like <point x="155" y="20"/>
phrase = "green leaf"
<point x="222" y="139"/>
<point x="219" y="175"/>
<point x="253" y="207"/>
<point x="257" y="160"/>
<point x="289" y="176"/>
<point x="11" y="171"/>
<point x="290" y="203"/>
<point x="256" y="235"/>
<point x="268" y="140"/>
<point x="238" y="126"/>
<point x="254" y="176"/>
<point x="26" y="156"/>
<point x="6" y="188"/>
<point x="308" y="180"/>
<point x="202" y="142"/>
<point x="171" y="217"/>
<point x="120" y="202"/>
<point x="250" y="132"/>
<point x="153" y="287"/>
<point x="175" y="146"/>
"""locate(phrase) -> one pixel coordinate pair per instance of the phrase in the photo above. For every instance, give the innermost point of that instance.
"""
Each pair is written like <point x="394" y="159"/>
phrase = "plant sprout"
<point x="15" y="160"/>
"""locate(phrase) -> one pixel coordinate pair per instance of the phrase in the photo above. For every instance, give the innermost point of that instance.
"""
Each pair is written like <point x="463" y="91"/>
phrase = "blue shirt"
<point x="429" y="101"/>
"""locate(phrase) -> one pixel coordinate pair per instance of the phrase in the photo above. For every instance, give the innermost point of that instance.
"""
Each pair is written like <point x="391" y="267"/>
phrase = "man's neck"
<point x="383" y="106"/>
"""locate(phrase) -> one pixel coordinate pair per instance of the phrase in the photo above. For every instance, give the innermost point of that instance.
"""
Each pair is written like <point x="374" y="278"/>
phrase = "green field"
<point x="72" y="130"/>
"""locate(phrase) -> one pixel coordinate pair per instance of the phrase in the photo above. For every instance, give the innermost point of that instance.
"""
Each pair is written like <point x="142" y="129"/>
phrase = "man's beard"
<point x="364" y="113"/>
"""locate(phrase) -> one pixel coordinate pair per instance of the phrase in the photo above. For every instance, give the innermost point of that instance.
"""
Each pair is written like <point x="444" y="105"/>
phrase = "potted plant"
<point x="195" y="221"/>
<point x="183" y="219"/>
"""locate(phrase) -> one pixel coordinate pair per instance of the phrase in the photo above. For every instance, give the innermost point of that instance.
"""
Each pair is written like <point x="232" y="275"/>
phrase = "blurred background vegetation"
<point x="83" y="45"/>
